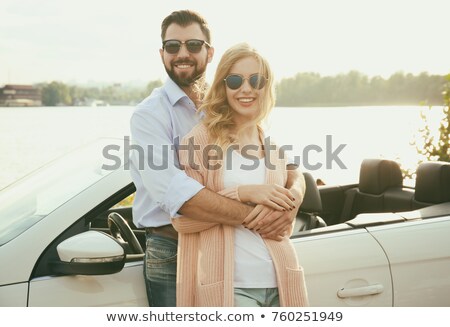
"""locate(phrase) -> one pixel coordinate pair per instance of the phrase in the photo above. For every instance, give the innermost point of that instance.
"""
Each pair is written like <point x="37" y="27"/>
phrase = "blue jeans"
<point x="160" y="270"/>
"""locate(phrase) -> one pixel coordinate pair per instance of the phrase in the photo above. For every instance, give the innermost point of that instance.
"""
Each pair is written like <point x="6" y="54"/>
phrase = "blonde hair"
<point x="218" y="117"/>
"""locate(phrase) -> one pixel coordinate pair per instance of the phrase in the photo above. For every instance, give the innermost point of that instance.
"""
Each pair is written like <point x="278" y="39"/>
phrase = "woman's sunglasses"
<point x="193" y="46"/>
<point x="235" y="81"/>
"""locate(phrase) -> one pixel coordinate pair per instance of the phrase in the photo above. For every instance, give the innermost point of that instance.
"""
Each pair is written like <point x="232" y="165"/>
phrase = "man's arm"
<point x="209" y="206"/>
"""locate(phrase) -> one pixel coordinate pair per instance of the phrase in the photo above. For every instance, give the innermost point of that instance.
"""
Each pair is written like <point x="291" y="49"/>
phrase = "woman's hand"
<point x="271" y="195"/>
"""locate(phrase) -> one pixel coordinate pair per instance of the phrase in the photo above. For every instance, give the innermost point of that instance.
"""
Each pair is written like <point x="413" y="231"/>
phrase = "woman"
<point x="224" y="265"/>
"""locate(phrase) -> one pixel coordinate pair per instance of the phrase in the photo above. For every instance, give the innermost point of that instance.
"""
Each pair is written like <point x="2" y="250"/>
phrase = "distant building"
<point x="20" y="96"/>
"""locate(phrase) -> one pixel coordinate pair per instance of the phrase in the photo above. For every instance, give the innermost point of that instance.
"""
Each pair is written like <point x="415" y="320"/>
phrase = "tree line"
<point x="58" y="93"/>
<point x="355" y="88"/>
<point x="302" y="90"/>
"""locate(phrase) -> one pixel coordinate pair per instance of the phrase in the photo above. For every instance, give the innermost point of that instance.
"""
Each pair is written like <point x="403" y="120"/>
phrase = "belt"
<point x="166" y="231"/>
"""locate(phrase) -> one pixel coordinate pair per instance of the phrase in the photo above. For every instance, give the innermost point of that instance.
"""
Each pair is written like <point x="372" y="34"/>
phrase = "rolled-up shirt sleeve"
<point x="181" y="189"/>
<point x="155" y="159"/>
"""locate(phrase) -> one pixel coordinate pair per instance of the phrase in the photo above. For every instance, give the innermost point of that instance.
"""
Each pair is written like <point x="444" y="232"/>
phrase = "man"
<point x="163" y="190"/>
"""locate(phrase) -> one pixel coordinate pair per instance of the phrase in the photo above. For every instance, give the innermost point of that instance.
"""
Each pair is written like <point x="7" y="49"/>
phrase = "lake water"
<point x="31" y="137"/>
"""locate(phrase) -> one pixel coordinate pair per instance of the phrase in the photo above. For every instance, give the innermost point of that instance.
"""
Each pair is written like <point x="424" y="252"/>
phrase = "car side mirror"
<point x="89" y="253"/>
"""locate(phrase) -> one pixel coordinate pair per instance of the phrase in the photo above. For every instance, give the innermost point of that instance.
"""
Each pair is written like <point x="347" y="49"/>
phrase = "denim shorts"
<point x="256" y="297"/>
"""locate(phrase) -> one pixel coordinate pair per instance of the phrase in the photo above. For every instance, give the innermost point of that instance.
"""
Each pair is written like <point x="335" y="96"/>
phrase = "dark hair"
<point x="185" y="18"/>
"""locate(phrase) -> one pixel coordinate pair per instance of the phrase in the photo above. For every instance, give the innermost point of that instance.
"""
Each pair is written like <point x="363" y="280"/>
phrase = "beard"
<point x="185" y="79"/>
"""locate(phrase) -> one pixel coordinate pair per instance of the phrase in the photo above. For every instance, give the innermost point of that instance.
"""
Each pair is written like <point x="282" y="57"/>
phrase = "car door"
<point x="125" y="288"/>
<point x="419" y="254"/>
<point x="344" y="267"/>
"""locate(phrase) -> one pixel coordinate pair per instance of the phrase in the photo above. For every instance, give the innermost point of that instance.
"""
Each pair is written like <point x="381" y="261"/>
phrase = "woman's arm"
<point x="271" y="195"/>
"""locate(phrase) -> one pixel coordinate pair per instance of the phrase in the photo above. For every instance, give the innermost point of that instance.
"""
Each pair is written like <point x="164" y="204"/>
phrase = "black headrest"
<point x="377" y="175"/>
<point x="433" y="182"/>
<point x="312" y="202"/>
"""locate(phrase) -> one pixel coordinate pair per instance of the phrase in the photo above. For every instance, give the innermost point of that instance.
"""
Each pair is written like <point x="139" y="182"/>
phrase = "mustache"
<point x="183" y="62"/>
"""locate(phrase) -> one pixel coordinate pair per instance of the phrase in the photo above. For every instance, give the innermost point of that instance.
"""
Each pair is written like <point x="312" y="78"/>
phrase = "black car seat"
<point x="432" y="184"/>
<point x="376" y="176"/>
<point x="307" y="216"/>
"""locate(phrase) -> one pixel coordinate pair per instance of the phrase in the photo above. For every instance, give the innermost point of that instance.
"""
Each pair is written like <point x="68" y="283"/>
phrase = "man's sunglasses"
<point x="235" y="81"/>
<point x="193" y="46"/>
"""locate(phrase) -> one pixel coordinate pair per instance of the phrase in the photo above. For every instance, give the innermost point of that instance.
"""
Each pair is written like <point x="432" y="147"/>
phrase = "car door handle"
<point x="360" y="291"/>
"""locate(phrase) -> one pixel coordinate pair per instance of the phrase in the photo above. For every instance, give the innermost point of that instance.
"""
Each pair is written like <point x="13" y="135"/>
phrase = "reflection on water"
<point x="30" y="137"/>
<point x="365" y="132"/>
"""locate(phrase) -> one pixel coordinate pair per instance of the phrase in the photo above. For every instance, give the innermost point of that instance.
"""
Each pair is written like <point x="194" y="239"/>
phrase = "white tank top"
<point x="253" y="266"/>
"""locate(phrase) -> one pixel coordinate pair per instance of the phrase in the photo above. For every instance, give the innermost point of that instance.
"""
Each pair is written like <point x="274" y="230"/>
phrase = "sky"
<point x="80" y="41"/>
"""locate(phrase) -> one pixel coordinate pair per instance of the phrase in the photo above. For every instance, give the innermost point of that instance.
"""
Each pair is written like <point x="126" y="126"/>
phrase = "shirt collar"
<point x="174" y="92"/>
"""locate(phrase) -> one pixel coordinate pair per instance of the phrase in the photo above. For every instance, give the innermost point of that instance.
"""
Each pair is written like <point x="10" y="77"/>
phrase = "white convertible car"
<point x="64" y="241"/>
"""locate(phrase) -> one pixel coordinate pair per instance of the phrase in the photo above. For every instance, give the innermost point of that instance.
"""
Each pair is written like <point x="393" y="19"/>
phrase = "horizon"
<point x="143" y="83"/>
<point x="106" y="42"/>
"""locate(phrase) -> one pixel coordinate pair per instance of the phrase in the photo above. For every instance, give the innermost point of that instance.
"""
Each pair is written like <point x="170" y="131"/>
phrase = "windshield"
<point x="27" y="201"/>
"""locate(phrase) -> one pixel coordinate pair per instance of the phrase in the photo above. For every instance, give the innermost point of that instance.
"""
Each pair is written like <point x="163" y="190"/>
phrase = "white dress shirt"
<point x="157" y="126"/>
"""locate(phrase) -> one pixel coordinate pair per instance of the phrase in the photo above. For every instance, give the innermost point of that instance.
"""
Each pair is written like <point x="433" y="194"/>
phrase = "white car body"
<point x="404" y="263"/>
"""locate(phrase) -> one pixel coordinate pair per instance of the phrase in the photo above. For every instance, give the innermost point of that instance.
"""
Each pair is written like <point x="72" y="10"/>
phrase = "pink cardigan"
<point x="206" y="250"/>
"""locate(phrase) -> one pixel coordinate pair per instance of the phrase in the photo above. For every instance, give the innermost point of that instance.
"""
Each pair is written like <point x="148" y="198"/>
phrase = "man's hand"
<point x="275" y="224"/>
<point x="256" y="215"/>
<point x="270" y="223"/>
